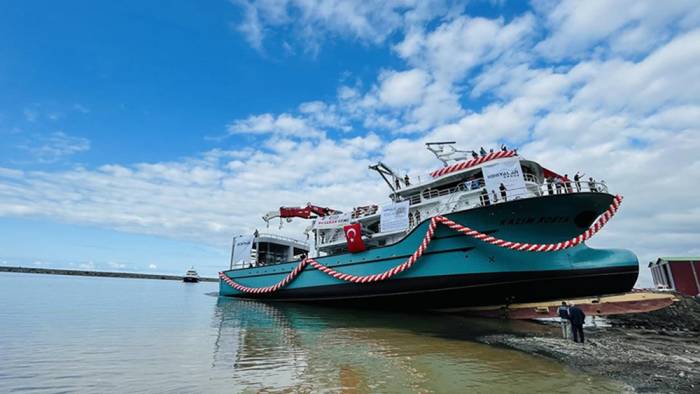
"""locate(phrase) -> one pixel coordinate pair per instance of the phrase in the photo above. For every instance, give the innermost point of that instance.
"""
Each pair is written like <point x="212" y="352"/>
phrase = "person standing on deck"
<point x="549" y="181"/>
<point x="503" y="189"/>
<point x="482" y="151"/>
<point x="563" y="312"/>
<point x="577" y="180"/>
<point x="485" y="197"/>
<point x="577" y="319"/>
<point x="567" y="184"/>
<point x="558" y="184"/>
<point x="591" y="185"/>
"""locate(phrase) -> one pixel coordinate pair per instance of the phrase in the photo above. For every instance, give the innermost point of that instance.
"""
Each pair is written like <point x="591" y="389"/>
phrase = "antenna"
<point x="446" y="152"/>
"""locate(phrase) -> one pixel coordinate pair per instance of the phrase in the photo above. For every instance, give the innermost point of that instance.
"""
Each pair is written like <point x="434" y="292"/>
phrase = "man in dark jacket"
<point x="577" y="318"/>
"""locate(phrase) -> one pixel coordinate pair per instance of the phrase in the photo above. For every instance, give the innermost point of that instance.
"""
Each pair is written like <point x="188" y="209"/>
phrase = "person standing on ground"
<point x="563" y="312"/>
<point x="577" y="319"/>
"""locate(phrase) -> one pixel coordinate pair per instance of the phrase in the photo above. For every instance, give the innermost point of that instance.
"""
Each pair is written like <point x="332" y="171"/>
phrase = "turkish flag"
<point x="353" y="234"/>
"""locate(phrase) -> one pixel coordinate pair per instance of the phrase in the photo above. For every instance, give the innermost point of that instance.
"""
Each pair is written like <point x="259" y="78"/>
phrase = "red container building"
<point x="680" y="274"/>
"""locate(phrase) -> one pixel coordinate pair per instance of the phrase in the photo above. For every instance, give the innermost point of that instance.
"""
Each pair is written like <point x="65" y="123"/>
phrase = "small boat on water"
<point x="485" y="229"/>
<point x="191" y="276"/>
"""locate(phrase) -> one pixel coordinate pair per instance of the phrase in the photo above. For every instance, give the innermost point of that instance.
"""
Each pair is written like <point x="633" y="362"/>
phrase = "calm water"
<point x="73" y="334"/>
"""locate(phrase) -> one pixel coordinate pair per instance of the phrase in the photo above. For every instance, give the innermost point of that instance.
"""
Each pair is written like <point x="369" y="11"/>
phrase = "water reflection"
<point x="286" y="347"/>
<point x="85" y="335"/>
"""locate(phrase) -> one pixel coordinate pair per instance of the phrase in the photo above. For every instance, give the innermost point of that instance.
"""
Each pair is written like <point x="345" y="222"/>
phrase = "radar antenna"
<point x="446" y="152"/>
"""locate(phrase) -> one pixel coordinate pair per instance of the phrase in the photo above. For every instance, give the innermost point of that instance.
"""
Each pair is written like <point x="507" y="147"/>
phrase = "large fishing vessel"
<point x="487" y="228"/>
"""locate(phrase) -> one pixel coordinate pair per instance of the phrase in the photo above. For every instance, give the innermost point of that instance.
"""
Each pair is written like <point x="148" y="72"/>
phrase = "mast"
<point x="385" y="171"/>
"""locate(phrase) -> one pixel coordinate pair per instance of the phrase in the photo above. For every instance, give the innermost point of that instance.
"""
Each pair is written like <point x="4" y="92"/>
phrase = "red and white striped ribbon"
<point x="520" y="246"/>
<point x="471" y="163"/>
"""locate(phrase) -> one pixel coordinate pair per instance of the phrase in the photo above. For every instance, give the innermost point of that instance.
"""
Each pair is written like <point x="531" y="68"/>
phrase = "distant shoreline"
<point x="128" y="275"/>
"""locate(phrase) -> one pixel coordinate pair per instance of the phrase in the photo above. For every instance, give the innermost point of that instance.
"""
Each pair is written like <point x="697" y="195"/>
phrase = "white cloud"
<point x="115" y="265"/>
<point x="404" y="88"/>
<point x="152" y="266"/>
<point x="659" y="79"/>
<point x="284" y="124"/>
<point x="54" y="147"/>
<point x="625" y="26"/>
<point x="204" y="198"/>
<point x="88" y="265"/>
<point x="313" y="21"/>
<point x="456" y="47"/>
<point x="251" y="26"/>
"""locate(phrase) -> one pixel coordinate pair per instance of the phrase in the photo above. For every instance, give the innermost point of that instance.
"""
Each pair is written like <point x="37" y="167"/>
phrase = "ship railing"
<point x="548" y="189"/>
<point x="572" y="187"/>
<point x="533" y="187"/>
<point x="275" y="259"/>
<point x="283" y="238"/>
<point x="430" y="194"/>
<point x="469" y="185"/>
<point x="530" y="177"/>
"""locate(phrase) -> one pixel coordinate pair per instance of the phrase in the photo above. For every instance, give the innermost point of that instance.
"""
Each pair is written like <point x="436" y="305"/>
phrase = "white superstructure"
<point x="460" y="185"/>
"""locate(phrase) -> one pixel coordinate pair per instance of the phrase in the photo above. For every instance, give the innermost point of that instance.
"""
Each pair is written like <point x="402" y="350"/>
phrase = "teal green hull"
<point x="459" y="271"/>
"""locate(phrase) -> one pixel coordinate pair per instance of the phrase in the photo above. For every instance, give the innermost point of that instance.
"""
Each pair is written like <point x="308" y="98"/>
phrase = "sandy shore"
<point x="656" y="352"/>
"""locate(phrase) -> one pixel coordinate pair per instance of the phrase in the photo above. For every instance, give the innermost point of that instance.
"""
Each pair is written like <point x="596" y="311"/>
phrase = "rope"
<point x="520" y="246"/>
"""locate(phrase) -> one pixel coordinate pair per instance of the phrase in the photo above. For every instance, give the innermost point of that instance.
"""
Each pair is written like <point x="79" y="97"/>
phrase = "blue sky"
<point x="142" y="136"/>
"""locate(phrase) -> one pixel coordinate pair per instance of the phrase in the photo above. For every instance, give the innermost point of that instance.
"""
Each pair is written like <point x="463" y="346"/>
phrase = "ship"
<point x="487" y="228"/>
<point x="191" y="276"/>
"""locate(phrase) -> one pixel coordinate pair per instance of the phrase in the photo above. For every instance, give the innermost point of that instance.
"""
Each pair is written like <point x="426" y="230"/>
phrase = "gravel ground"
<point x="655" y="352"/>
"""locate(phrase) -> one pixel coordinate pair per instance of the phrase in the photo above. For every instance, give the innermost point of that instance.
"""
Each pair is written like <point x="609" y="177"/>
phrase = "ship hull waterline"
<point x="458" y="271"/>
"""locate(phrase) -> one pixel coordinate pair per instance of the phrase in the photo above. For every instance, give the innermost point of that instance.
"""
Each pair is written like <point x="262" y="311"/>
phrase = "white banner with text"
<point x="394" y="217"/>
<point x="242" y="246"/>
<point x="507" y="173"/>
<point x="332" y="221"/>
